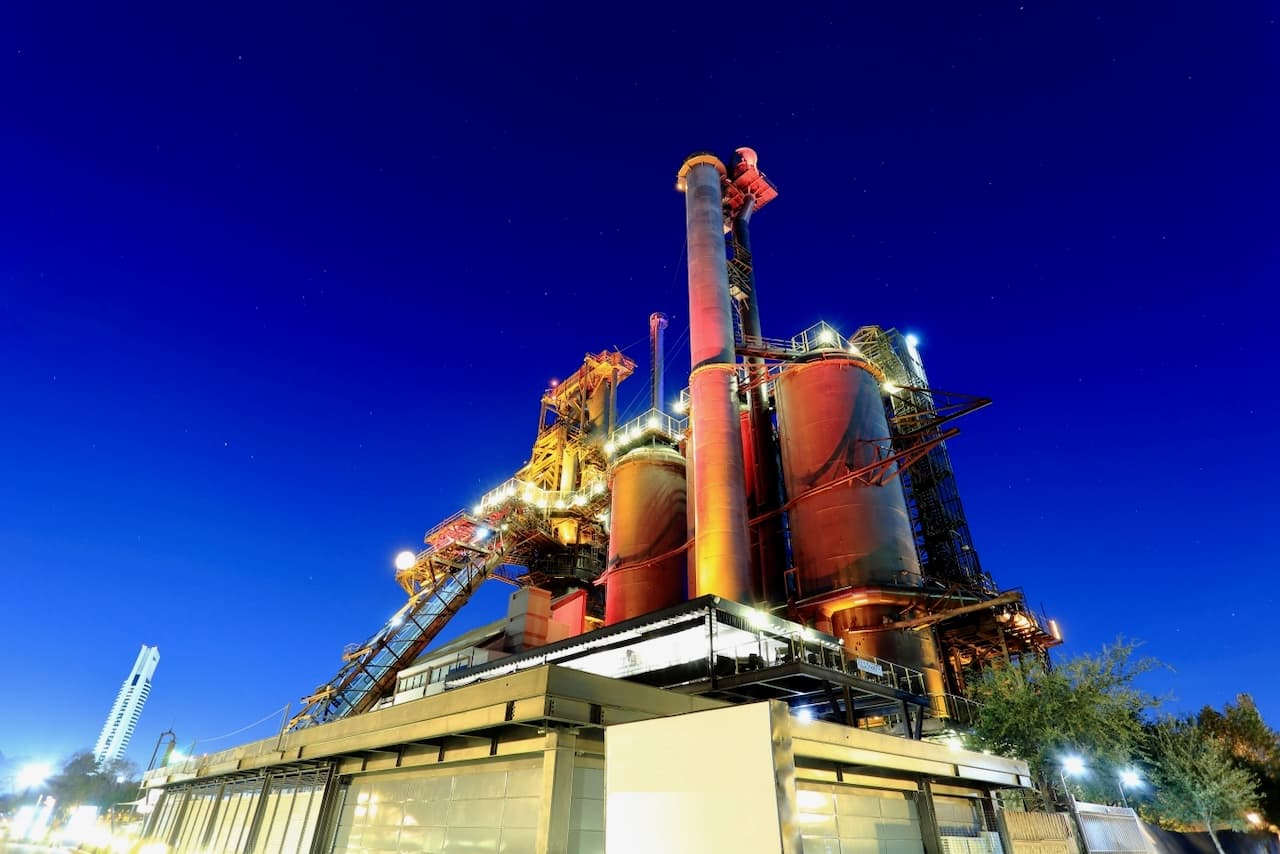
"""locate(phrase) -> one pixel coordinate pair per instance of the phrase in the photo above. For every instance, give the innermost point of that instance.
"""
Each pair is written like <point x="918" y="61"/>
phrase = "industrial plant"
<point x="743" y="620"/>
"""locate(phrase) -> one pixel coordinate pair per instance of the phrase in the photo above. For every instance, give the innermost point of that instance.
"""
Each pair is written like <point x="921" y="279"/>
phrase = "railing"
<point x="651" y="423"/>
<point x="962" y="710"/>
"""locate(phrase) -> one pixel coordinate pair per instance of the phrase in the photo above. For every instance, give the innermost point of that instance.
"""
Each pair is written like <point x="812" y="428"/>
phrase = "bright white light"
<point x="1130" y="778"/>
<point x="176" y="757"/>
<point x="826" y="336"/>
<point x="405" y="560"/>
<point x="653" y="422"/>
<point x="680" y="406"/>
<point x="759" y="619"/>
<point x="890" y="388"/>
<point x="1072" y="765"/>
<point x="481" y="534"/>
<point x="1253" y="818"/>
<point x="804" y="715"/>
<point x="955" y="743"/>
<point x="477" y="510"/>
<point x="913" y="342"/>
<point x="579" y="499"/>
<point x="154" y="848"/>
<point x="608" y="447"/>
<point x="33" y="775"/>
<point x="854" y="351"/>
<point x="396" y="620"/>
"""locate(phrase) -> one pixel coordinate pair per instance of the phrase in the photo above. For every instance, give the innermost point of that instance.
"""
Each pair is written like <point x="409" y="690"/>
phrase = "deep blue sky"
<point x="278" y="291"/>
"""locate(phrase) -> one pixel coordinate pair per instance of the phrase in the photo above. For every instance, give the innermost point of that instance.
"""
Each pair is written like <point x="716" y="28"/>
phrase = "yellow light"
<point x="477" y="510"/>
<point x="1253" y="818"/>
<point x="891" y="388"/>
<point x="405" y="560"/>
<point x="680" y="406"/>
<point x="608" y="447"/>
<point x="653" y="422"/>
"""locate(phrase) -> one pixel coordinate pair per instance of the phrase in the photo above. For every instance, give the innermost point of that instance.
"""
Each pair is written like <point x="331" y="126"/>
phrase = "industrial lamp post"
<point x="1073" y="766"/>
<point x="1130" y="778"/>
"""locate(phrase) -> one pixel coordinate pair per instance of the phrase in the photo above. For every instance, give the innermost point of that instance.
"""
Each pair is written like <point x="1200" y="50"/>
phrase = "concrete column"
<point x="557" y="791"/>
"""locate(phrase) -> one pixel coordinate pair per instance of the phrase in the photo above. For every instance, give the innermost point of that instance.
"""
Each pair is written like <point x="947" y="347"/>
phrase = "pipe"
<point x="657" y="396"/>
<point x="723" y="555"/>
<point x="767" y="550"/>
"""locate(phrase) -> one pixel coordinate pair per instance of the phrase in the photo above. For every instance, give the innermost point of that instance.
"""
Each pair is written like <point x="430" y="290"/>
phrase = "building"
<point x="127" y="708"/>
<point x="739" y="619"/>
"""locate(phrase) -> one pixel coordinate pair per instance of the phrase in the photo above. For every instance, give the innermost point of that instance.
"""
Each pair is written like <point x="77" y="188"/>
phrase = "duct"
<point x="762" y="476"/>
<point x="720" y="515"/>
<point x="657" y="396"/>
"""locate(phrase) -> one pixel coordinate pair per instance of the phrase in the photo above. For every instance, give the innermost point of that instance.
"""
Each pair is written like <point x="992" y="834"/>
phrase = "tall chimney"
<point x="657" y="396"/>
<point x="720" y="516"/>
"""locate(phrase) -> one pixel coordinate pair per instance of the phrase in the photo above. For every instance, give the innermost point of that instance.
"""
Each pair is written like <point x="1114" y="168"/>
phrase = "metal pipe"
<point x="720" y="513"/>
<point x="657" y="396"/>
<point x="769" y="556"/>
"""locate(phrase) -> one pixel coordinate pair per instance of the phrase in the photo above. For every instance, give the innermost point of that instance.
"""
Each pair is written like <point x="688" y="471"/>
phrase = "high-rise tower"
<point x="118" y="729"/>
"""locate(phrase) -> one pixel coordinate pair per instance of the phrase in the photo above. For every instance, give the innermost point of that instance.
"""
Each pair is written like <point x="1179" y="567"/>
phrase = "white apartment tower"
<point x="118" y="729"/>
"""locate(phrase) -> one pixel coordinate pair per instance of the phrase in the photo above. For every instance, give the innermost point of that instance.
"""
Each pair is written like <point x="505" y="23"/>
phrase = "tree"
<point x="1197" y="780"/>
<point x="1087" y="706"/>
<point x="84" y="782"/>
<point x="1254" y="746"/>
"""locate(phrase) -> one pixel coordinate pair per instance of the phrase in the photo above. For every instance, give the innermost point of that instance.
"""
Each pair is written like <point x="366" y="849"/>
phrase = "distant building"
<point x="118" y="729"/>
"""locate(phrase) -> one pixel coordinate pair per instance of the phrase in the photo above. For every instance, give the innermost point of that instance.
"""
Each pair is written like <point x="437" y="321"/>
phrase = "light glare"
<point x="1073" y="765"/>
<point x="405" y="560"/>
<point x="1130" y="778"/>
<point x="34" y="774"/>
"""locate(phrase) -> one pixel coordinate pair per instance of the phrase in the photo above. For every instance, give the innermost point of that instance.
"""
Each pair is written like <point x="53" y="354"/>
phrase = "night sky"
<point x="280" y="290"/>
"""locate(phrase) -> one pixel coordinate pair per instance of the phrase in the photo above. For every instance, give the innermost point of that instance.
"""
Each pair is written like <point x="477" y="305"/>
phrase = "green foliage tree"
<point x="1197" y="780"/>
<point x="1254" y="746"/>
<point x="84" y="782"/>
<point x="1087" y="706"/>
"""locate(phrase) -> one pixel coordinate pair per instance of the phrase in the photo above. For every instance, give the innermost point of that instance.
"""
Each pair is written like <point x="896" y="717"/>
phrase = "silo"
<point x="831" y="420"/>
<point x="647" y="519"/>
<point x="852" y="543"/>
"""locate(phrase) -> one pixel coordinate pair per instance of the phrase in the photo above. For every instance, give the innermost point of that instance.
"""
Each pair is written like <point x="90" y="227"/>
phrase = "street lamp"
<point x="1130" y="778"/>
<point x="1073" y="766"/>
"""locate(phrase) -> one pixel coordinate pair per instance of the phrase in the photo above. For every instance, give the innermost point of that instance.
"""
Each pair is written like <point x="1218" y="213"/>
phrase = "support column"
<point x="557" y="791"/>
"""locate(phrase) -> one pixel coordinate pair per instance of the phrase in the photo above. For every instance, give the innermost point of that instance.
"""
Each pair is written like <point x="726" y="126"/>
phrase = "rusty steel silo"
<point x="831" y="420"/>
<point x="647" y="520"/>
<point x="853" y="548"/>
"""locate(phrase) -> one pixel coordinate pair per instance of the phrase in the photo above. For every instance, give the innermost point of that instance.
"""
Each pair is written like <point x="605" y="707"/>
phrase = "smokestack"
<point x="657" y="396"/>
<point x="720" y="516"/>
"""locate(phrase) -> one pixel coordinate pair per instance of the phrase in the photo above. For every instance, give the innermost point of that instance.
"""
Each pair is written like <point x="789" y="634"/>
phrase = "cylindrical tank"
<point x="831" y="420"/>
<point x="646" y="520"/>
<point x="720" y="512"/>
